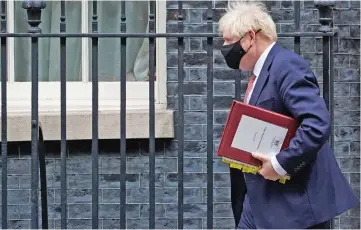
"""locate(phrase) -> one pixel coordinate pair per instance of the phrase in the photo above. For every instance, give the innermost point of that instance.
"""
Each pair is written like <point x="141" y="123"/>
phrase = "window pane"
<point x="49" y="48"/>
<point x="137" y="50"/>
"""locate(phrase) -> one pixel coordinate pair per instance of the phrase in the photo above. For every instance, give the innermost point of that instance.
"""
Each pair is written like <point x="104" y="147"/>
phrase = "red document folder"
<point x="252" y="129"/>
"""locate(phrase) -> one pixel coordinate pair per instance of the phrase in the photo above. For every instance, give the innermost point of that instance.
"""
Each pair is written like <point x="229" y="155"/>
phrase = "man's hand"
<point x="267" y="170"/>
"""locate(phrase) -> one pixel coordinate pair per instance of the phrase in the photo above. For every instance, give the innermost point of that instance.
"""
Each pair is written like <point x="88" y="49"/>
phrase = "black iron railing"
<point x="34" y="9"/>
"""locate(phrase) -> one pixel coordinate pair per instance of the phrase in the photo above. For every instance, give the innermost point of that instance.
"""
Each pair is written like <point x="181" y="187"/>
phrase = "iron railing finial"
<point x="34" y="8"/>
<point x="325" y="8"/>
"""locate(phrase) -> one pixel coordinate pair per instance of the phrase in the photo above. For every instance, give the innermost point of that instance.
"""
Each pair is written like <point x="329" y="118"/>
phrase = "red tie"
<point x="249" y="87"/>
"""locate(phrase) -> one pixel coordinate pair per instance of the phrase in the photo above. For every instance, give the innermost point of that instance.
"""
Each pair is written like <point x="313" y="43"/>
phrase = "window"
<point x="78" y="20"/>
<point x="78" y="59"/>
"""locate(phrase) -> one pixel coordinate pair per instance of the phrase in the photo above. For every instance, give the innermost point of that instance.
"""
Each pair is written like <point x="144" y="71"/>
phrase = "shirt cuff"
<point x="277" y="167"/>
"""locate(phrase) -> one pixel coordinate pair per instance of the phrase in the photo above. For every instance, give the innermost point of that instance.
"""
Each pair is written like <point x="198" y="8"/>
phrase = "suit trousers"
<point x="247" y="222"/>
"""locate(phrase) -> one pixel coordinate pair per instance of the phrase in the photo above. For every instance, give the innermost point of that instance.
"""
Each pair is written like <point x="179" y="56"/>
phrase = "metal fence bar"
<point x="63" y="144"/>
<point x="297" y="20"/>
<point x="331" y="91"/>
<point x="180" y="123"/>
<point x="34" y="19"/>
<point x="331" y="104"/>
<point x="151" y="117"/>
<point x="210" y="118"/>
<point x="327" y="81"/>
<point x="4" y="144"/>
<point x="95" y="154"/>
<point x="326" y="21"/>
<point x="123" y="115"/>
<point x="238" y="85"/>
<point x="34" y="132"/>
<point x="156" y="35"/>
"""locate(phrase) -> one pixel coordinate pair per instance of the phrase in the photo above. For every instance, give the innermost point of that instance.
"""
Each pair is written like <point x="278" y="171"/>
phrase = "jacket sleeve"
<point x="300" y="94"/>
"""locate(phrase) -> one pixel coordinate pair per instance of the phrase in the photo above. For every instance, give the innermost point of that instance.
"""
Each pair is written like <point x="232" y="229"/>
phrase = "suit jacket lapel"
<point x="262" y="78"/>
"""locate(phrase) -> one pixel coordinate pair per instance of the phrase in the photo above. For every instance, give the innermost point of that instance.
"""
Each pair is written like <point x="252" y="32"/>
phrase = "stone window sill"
<point x="79" y="124"/>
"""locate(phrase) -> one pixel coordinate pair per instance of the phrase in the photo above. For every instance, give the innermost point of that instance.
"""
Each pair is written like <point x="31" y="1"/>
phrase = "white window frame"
<point x="79" y="96"/>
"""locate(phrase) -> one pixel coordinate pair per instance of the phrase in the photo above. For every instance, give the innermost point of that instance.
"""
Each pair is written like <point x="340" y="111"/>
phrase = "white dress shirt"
<point x="256" y="71"/>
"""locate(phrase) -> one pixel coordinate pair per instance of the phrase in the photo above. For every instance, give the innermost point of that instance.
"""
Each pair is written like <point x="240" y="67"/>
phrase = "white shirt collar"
<point x="259" y="64"/>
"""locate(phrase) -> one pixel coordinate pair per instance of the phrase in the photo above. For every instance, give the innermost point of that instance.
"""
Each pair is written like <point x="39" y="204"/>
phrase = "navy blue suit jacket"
<point x="317" y="191"/>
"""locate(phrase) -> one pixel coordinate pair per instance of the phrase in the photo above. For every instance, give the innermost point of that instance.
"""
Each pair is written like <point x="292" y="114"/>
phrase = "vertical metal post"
<point x="180" y="116"/>
<point x="331" y="90"/>
<point x="210" y="117"/>
<point x="151" y="117"/>
<point x="327" y="83"/>
<point x="4" y="144"/>
<point x="237" y="86"/>
<point x="123" y="84"/>
<point x="326" y="17"/>
<point x="297" y="20"/>
<point x="95" y="160"/>
<point x="63" y="148"/>
<point x="34" y="19"/>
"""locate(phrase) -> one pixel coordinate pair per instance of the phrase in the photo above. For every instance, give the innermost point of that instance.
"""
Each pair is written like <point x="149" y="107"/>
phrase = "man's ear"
<point x="252" y="34"/>
<point x="251" y="38"/>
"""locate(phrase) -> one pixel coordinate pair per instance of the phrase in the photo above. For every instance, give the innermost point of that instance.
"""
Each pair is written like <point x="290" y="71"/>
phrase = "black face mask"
<point x="233" y="53"/>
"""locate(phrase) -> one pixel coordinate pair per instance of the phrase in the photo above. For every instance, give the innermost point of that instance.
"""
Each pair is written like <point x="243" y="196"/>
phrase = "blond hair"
<point x="242" y="16"/>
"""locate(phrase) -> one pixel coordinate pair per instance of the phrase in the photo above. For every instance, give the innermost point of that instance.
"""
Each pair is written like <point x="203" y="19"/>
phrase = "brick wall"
<point x="347" y="101"/>
<point x="347" y="135"/>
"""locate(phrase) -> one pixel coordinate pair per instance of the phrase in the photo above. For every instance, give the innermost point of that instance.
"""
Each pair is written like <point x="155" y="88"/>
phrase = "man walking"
<point x="283" y="82"/>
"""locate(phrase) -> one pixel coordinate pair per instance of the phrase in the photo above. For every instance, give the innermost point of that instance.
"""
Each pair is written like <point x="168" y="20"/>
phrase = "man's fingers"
<point x="264" y="173"/>
<point x="260" y="157"/>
